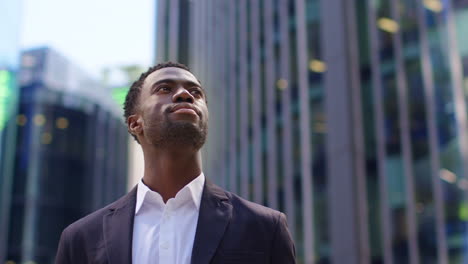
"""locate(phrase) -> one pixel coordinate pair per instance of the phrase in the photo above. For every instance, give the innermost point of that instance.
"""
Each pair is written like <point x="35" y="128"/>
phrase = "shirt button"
<point x="165" y="245"/>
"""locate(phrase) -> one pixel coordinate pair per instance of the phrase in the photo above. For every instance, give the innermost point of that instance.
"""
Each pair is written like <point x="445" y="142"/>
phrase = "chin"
<point x="181" y="134"/>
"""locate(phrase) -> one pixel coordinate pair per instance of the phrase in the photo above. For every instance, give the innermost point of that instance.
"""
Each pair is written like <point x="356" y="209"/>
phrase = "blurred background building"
<point x="349" y="116"/>
<point x="128" y="74"/>
<point x="69" y="157"/>
<point x="9" y="66"/>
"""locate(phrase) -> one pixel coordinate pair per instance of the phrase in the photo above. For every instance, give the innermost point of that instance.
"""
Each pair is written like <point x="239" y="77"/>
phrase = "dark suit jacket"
<point x="230" y="230"/>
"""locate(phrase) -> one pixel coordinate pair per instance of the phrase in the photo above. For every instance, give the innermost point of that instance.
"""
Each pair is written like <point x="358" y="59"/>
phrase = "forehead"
<point x="172" y="74"/>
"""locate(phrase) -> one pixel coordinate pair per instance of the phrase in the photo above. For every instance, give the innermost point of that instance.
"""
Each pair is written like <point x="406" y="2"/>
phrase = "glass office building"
<point x="70" y="154"/>
<point x="349" y="116"/>
<point x="9" y="63"/>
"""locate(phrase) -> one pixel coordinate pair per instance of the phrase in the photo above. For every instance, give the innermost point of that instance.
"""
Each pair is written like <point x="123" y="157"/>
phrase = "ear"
<point x="135" y="125"/>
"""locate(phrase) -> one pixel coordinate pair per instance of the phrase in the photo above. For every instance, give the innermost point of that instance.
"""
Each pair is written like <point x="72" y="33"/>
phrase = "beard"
<point x="176" y="134"/>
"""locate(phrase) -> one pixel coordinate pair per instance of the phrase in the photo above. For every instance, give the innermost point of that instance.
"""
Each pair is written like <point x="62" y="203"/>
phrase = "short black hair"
<point x="131" y="100"/>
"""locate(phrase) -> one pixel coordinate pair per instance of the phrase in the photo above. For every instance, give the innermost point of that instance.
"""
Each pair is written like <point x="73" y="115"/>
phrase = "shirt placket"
<point x="166" y="235"/>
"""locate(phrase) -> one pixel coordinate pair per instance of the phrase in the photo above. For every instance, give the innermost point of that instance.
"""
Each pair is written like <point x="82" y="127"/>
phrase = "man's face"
<point x="173" y="109"/>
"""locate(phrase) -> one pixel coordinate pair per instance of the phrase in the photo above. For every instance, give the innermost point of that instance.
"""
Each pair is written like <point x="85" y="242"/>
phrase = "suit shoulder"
<point x="94" y="219"/>
<point x="88" y="221"/>
<point x="253" y="209"/>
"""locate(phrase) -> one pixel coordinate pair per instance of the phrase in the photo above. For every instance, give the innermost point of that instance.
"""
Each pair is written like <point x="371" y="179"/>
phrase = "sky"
<point x="93" y="34"/>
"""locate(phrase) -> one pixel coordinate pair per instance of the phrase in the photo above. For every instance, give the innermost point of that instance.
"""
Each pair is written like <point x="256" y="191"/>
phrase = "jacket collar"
<point x="214" y="217"/>
<point x="118" y="229"/>
<point x="215" y="214"/>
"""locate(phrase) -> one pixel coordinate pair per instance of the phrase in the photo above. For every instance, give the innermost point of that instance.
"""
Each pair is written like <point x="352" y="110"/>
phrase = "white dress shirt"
<point x="163" y="233"/>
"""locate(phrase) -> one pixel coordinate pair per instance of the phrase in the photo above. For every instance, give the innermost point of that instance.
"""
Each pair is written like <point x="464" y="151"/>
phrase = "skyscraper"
<point x="70" y="154"/>
<point x="349" y="116"/>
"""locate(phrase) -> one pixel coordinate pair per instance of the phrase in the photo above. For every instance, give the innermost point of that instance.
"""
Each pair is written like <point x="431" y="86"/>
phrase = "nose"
<point x="182" y="95"/>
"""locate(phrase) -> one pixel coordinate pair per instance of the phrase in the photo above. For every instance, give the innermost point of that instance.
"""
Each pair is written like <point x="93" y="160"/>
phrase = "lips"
<point x="185" y="109"/>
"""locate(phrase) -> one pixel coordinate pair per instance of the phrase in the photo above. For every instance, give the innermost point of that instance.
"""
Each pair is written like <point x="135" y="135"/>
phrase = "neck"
<point x="168" y="171"/>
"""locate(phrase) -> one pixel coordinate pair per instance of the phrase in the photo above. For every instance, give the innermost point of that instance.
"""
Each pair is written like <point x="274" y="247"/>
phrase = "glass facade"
<point x="70" y="155"/>
<point x="349" y="116"/>
<point x="9" y="63"/>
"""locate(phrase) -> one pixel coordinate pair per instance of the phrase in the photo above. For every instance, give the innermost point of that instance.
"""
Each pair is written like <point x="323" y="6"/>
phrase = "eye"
<point x="196" y="92"/>
<point x="164" y="88"/>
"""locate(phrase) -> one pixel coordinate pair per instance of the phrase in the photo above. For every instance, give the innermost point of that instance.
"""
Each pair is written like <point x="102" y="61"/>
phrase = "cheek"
<point x="204" y="110"/>
<point x="152" y="111"/>
<point x="204" y="113"/>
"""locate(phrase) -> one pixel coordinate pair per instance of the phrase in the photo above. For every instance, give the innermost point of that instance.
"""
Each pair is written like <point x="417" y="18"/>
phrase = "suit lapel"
<point x="118" y="229"/>
<point x="215" y="214"/>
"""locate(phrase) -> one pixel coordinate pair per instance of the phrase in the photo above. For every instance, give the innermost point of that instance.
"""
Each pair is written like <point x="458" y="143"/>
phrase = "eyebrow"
<point x="171" y="81"/>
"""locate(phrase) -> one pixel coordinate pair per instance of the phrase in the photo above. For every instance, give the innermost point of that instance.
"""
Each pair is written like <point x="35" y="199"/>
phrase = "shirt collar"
<point x="195" y="188"/>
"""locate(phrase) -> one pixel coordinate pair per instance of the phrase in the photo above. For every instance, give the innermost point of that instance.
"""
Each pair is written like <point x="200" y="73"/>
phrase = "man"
<point x="174" y="215"/>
